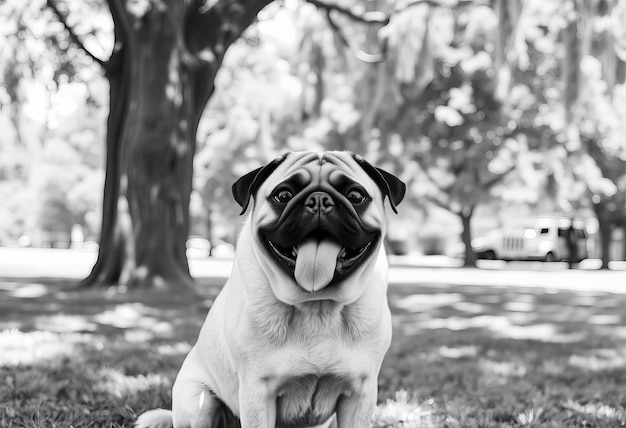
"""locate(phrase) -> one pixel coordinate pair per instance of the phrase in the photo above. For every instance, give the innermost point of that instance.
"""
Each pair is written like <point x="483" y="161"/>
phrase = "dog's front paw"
<point x="157" y="418"/>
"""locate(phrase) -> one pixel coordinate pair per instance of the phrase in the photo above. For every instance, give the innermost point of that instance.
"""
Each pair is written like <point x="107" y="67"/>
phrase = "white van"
<point x="539" y="238"/>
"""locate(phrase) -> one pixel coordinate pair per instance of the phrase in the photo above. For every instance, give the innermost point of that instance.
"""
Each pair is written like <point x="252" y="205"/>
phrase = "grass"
<point x="462" y="356"/>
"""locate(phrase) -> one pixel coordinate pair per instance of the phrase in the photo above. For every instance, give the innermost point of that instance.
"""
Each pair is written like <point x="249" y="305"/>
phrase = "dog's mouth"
<point x="319" y="259"/>
<point x="346" y="258"/>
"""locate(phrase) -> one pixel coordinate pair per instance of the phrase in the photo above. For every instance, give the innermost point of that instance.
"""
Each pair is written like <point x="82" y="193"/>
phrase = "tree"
<point x="45" y="156"/>
<point x="465" y="147"/>
<point x="440" y="108"/>
<point x="593" y="70"/>
<point x="537" y="53"/>
<point x="603" y="149"/>
<point x="161" y="72"/>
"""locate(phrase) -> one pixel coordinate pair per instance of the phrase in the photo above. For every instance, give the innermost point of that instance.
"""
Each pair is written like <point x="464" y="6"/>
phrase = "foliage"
<point x="53" y="116"/>
<point x="439" y="120"/>
<point x="581" y="104"/>
<point x="468" y="107"/>
<point x="254" y="110"/>
<point x="553" y="72"/>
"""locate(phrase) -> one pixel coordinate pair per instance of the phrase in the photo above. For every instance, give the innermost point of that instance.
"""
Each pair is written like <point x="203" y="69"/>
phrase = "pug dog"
<point x="297" y="335"/>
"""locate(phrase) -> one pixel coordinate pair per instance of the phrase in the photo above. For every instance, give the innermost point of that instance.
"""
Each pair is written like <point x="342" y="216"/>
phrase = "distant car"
<point x="486" y="247"/>
<point x="538" y="238"/>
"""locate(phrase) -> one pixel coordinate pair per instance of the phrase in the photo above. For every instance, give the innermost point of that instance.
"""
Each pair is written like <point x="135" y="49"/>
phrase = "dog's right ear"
<point x="246" y="186"/>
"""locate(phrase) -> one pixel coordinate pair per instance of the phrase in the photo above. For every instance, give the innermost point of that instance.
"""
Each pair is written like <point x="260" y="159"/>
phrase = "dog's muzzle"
<point x="319" y="240"/>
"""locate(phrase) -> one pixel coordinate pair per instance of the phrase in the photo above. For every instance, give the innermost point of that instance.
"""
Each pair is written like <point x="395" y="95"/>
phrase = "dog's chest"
<point x="310" y="399"/>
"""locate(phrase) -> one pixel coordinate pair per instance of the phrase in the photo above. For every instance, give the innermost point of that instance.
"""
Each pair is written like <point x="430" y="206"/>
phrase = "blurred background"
<point x="123" y="124"/>
<point x="506" y="119"/>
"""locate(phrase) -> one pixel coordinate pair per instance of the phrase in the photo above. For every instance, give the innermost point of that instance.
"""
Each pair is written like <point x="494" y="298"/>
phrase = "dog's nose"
<point x="319" y="203"/>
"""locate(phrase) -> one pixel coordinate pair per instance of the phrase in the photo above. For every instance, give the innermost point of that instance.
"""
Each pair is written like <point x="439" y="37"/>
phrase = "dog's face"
<point x="318" y="221"/>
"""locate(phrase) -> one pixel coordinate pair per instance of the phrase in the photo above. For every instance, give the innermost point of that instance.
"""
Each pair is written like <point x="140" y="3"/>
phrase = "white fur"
<point x="264" y="333"/>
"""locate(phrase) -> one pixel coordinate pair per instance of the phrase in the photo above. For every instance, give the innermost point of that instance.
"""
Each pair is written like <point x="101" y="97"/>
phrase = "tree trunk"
<point x="161" y="77"/>
<point x="624" y="242"/>
<point x="116" y="225"/>
<point x="606" y="233"/>
<point x="466" y="236"/>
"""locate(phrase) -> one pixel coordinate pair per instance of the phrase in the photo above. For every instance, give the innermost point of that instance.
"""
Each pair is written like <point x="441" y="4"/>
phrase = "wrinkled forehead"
<point x="309" y="167"/>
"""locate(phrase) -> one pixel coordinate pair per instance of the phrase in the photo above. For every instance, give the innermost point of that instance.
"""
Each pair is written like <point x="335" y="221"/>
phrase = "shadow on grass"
<point x="466" y="355"/>
<point x="510" y="356"/>
<point x="58" y="305"/>
<point x="91" y="357"/>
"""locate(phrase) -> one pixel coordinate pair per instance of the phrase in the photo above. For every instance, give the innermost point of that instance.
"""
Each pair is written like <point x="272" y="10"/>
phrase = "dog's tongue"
<point x="315" y="263"/>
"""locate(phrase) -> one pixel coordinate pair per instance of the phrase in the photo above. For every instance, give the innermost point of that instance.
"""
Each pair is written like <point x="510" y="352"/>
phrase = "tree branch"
<point x="433" y="180"/>
<point x="122" y="32"/>
<point x="360" y="54"/>
<point x="373" y="17"/>
<point x="497" y="178"/>
<point x="211" y="27"/>
<point x="440" y="3"/>
<point x="379" y="18"/>
<point x="439" y="203"/>
<point x="73" y="36"/>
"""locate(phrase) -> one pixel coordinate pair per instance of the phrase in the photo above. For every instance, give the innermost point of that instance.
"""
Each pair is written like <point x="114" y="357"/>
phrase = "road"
<point x="76" y="264"/>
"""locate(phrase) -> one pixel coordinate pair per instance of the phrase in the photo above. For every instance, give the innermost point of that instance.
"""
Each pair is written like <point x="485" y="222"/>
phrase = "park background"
<point x="124" y="123"/>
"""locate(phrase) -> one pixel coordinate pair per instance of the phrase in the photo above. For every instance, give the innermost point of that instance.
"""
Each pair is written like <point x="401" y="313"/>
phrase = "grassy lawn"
<point x="462" y="356"/>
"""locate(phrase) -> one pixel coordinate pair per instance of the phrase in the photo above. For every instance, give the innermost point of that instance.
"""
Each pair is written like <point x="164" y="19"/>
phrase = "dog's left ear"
<point x="244" y="188"/>
<point x="390" y="185"/>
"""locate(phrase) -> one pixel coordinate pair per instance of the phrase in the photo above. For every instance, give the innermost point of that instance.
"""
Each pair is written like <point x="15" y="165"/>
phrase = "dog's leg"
<point x="355" y="410"/>
<point x="257" y="406"/>
<point x="258" y="415"/>
<point x="195" y="406"/>
<point x="331" y="423"/>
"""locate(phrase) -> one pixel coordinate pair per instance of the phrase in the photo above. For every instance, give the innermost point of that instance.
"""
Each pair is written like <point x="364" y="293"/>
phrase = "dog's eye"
<point x="356" y="196"/>
<point x="283" y="196"/>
